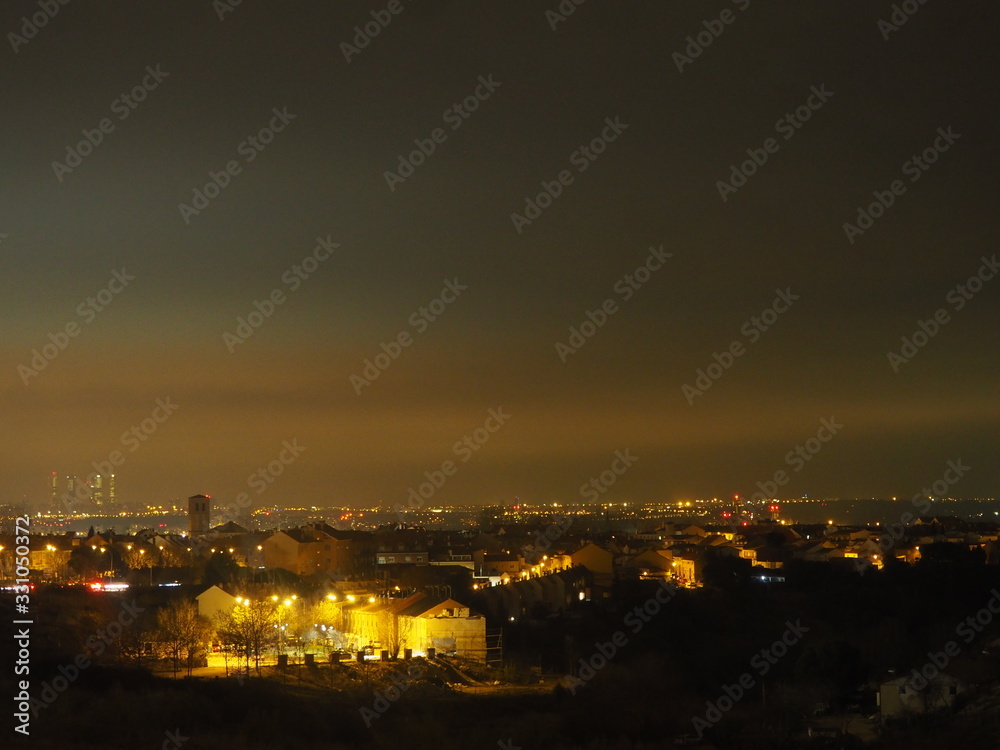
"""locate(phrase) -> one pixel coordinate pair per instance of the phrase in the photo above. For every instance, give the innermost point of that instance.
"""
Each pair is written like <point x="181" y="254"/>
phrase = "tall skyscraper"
<point x="97" y="489"/>
<point x="68" y="490"/>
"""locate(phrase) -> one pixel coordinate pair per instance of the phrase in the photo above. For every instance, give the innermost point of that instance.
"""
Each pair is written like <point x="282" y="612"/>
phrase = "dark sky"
<point x="323" y="175"/>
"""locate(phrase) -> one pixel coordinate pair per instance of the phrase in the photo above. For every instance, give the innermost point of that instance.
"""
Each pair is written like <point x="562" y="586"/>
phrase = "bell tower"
<point x="199" y="514"/>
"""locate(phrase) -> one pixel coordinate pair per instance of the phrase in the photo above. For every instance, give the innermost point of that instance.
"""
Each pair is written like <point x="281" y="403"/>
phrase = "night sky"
<point x="869" y="100"/>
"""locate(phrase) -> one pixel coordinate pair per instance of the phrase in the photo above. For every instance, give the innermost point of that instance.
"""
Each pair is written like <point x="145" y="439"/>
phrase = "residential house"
<point x="215" y="600"/>
<point x="898" y="698"/>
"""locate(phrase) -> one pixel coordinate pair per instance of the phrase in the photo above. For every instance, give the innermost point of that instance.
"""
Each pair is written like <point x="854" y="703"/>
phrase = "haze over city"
<point x="441" y="374"/>
<point x="323" y="177"/>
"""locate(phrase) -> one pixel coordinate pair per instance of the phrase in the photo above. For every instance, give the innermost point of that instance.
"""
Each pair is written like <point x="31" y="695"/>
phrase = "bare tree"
<point x="132" y="642"/>
<point x="404" y="629"/>
<point x="181" y="631"/>
<point x="393" y="631"/>
<point x="250" y="627"/>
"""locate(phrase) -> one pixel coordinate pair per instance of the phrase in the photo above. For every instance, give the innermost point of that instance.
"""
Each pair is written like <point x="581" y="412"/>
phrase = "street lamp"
<point x="282" y="625"/>
<point x="111" y="553"/>
<point x="142" y="553"/>
<point x="52" y="561"/>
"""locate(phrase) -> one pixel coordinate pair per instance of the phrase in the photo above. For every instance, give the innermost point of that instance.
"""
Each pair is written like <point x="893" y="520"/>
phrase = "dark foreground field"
<point x="657" y="689"/>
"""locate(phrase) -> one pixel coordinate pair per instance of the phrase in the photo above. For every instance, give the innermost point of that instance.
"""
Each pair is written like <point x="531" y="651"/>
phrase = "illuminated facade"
<point x="199" y="514"/>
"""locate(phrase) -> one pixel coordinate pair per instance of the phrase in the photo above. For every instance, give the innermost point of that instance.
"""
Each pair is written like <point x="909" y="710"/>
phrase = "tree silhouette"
<point x="251" y="626"/>
<point x="181" y="631"/>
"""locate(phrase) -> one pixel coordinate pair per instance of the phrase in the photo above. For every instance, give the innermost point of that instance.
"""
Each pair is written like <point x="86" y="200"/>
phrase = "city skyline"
<point x="438" y="374"/>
